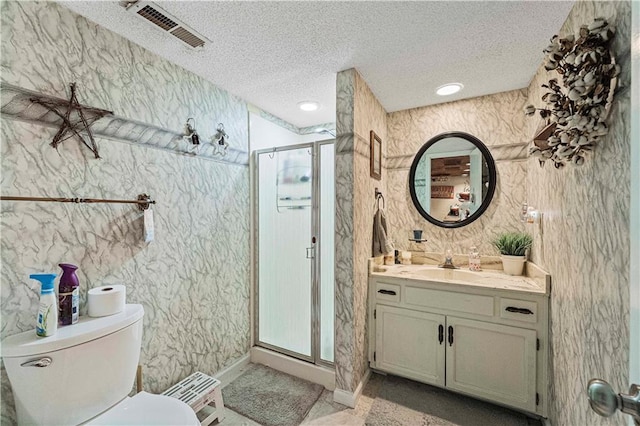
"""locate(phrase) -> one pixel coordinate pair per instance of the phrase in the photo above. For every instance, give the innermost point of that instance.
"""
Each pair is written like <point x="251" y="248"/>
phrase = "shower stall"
<point x="294" y="251"/>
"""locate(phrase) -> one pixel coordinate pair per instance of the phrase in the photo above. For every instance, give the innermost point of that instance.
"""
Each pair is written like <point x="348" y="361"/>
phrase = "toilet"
<point x="84" y="374"/>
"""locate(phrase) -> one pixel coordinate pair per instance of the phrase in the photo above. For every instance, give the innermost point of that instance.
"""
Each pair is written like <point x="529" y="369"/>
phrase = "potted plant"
<point x="513" y="248"/>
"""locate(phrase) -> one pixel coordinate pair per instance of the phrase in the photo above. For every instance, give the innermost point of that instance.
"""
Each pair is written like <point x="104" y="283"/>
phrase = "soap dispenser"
<point x="47" y="320"/>
<point x="474" y="260"/>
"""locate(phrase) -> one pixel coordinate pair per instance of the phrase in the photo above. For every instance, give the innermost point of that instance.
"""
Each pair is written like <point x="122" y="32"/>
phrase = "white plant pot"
<point x="513" y="265"/>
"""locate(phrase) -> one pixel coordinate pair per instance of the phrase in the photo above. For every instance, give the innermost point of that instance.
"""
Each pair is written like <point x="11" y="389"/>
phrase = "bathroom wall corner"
<point x="358" y="112"/>
<point x="350" y="399"/>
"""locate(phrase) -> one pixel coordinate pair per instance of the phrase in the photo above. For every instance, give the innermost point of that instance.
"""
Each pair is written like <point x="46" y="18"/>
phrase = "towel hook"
<point x="378" y="197"/>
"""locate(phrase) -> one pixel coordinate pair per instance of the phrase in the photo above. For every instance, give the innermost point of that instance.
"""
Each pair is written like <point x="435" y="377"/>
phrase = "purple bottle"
<point x="68" y="295"/>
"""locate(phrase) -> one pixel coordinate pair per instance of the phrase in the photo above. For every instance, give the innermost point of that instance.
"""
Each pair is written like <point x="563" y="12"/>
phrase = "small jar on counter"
<point x="474" y="260"/>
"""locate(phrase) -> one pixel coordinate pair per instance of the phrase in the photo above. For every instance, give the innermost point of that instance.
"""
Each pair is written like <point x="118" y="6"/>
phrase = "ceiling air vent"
<point x="156" y="15"/>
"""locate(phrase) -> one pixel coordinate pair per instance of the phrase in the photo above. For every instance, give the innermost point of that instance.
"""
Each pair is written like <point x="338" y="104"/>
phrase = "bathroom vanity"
<point x="483" y="334"/>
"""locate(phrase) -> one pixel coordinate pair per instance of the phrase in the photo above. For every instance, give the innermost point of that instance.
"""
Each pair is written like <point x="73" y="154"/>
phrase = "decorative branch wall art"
<point x="578" y="101"/>
<point x="76" y="119"/>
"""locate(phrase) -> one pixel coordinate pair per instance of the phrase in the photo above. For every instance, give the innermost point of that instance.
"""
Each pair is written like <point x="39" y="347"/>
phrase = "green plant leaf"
<point x="513" y="243"/>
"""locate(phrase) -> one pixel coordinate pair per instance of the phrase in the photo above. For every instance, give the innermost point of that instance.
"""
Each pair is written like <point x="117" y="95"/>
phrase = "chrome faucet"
<point x="448" y="261"/>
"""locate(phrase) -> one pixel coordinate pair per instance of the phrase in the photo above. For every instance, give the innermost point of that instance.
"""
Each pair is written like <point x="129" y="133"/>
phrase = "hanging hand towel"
<point x="381" y="244"/>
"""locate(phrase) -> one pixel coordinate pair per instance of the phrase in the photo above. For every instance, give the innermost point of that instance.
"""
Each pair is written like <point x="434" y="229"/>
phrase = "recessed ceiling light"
<point x="449" y="89"/>
<point x="309" y="105"/>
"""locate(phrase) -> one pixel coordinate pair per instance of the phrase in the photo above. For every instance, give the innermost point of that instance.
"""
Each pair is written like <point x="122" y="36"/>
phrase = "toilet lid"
<point x="148" y="409"/>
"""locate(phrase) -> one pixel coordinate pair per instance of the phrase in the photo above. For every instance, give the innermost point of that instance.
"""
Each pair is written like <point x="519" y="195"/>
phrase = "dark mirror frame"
<point x="491" y="165"/>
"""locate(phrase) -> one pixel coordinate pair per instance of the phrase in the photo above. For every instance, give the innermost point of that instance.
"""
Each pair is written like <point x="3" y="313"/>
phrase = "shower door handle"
<point x="311" y="252"/>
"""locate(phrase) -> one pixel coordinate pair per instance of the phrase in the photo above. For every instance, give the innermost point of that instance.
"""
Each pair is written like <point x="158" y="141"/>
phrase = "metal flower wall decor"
<point x="577" y="105"/>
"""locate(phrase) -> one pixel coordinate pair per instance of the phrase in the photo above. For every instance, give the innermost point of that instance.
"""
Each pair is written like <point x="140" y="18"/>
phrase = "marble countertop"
<point x="535" y="281"/>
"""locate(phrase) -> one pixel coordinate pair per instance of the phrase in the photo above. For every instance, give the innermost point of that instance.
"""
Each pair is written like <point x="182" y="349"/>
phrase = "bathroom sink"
<point x="491" y="279"/>
<point x="440" y="274"/>
<point x="447" y="274"/>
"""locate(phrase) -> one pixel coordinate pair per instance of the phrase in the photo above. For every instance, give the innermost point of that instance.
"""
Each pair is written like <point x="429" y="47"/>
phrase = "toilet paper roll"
<point x="106" y="300"/>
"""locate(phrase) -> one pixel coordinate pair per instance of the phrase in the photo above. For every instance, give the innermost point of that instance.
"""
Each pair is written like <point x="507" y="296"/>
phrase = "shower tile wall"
<point x="193" y="280"/>
<point x="497" y="120"/>
<point x="585" y="245"/>
<point x="358" y="112"/>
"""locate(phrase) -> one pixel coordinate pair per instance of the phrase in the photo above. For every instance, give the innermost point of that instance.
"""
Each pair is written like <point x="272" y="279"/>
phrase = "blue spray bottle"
<point x="47" y="321"/>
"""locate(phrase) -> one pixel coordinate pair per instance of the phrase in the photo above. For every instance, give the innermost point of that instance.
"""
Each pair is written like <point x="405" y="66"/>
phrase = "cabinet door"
<point x="407" y="344"/>
<point x="492" y="361"/>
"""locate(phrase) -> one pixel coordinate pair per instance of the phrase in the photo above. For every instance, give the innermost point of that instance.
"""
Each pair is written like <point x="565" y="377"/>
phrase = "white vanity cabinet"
<point x="492" y="361"/>
<point x="407" y="342"/>
<point x="490" y="343"/>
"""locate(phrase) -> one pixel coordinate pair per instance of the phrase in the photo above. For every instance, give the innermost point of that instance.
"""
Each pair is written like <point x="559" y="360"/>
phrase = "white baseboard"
<point x="229" y="374"/>
<point x="350" y="399"/>
<point x="304" y="370"/>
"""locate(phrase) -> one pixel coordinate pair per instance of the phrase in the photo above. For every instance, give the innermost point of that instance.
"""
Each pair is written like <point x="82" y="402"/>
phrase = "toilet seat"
<point x="147" y="409"/>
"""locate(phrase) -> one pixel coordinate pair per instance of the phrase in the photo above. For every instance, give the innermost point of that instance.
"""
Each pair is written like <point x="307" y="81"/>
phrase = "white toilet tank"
<point x="81" y="371"/>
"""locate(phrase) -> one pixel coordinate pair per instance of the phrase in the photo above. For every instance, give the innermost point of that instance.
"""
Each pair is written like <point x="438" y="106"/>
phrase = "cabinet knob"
<point x="450" y="335"/>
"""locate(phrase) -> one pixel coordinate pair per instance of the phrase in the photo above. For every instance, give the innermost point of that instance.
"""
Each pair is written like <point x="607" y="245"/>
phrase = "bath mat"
<point x="405" y="402"/>
<point x="270" y="397"/>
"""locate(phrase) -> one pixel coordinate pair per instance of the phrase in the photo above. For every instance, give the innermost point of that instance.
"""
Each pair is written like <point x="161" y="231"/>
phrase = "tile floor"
<point x="326" y="412"/>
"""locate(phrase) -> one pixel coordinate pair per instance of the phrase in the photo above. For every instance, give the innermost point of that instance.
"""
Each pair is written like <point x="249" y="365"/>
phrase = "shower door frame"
<point x="315" y="357"/>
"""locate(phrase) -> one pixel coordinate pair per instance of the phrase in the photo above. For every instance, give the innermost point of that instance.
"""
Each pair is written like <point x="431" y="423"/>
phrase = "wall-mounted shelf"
<point x="17" y="103"/>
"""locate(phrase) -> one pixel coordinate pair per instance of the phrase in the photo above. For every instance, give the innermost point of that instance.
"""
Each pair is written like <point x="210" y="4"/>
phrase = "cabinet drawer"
<point x="519" y="310"/>
<point x="388" y="292"/>
<point x="460" y="302"/>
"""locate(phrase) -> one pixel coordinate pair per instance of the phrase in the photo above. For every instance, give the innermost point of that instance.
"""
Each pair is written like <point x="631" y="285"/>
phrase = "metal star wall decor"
<point x="76" y="119"/>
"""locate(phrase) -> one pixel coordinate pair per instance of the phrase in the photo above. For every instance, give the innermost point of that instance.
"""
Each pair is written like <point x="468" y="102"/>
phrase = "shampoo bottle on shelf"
<point x="47" y="320"/>
<point x="68" y="295"/>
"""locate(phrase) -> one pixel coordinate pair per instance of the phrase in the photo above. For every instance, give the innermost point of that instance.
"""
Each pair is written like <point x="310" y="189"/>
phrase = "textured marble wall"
<point x="497" y="120"/>
<point x="368" y="115"/>
<point x="585" y="244"/>
<point x="344" y="257"/>
<point x="193" y="280"/>
<point x="358" y="112"/>
<point x="17" y="104"/>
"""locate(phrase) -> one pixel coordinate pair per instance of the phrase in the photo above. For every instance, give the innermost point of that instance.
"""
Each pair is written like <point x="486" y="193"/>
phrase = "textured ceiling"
<point x="276" y="54"/>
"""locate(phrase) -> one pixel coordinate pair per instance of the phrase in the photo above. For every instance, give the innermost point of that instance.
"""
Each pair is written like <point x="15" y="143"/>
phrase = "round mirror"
<point x="452" y="179"/>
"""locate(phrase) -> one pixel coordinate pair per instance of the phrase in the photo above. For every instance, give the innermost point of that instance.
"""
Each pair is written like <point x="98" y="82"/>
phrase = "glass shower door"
<point x="285" y="250"/>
